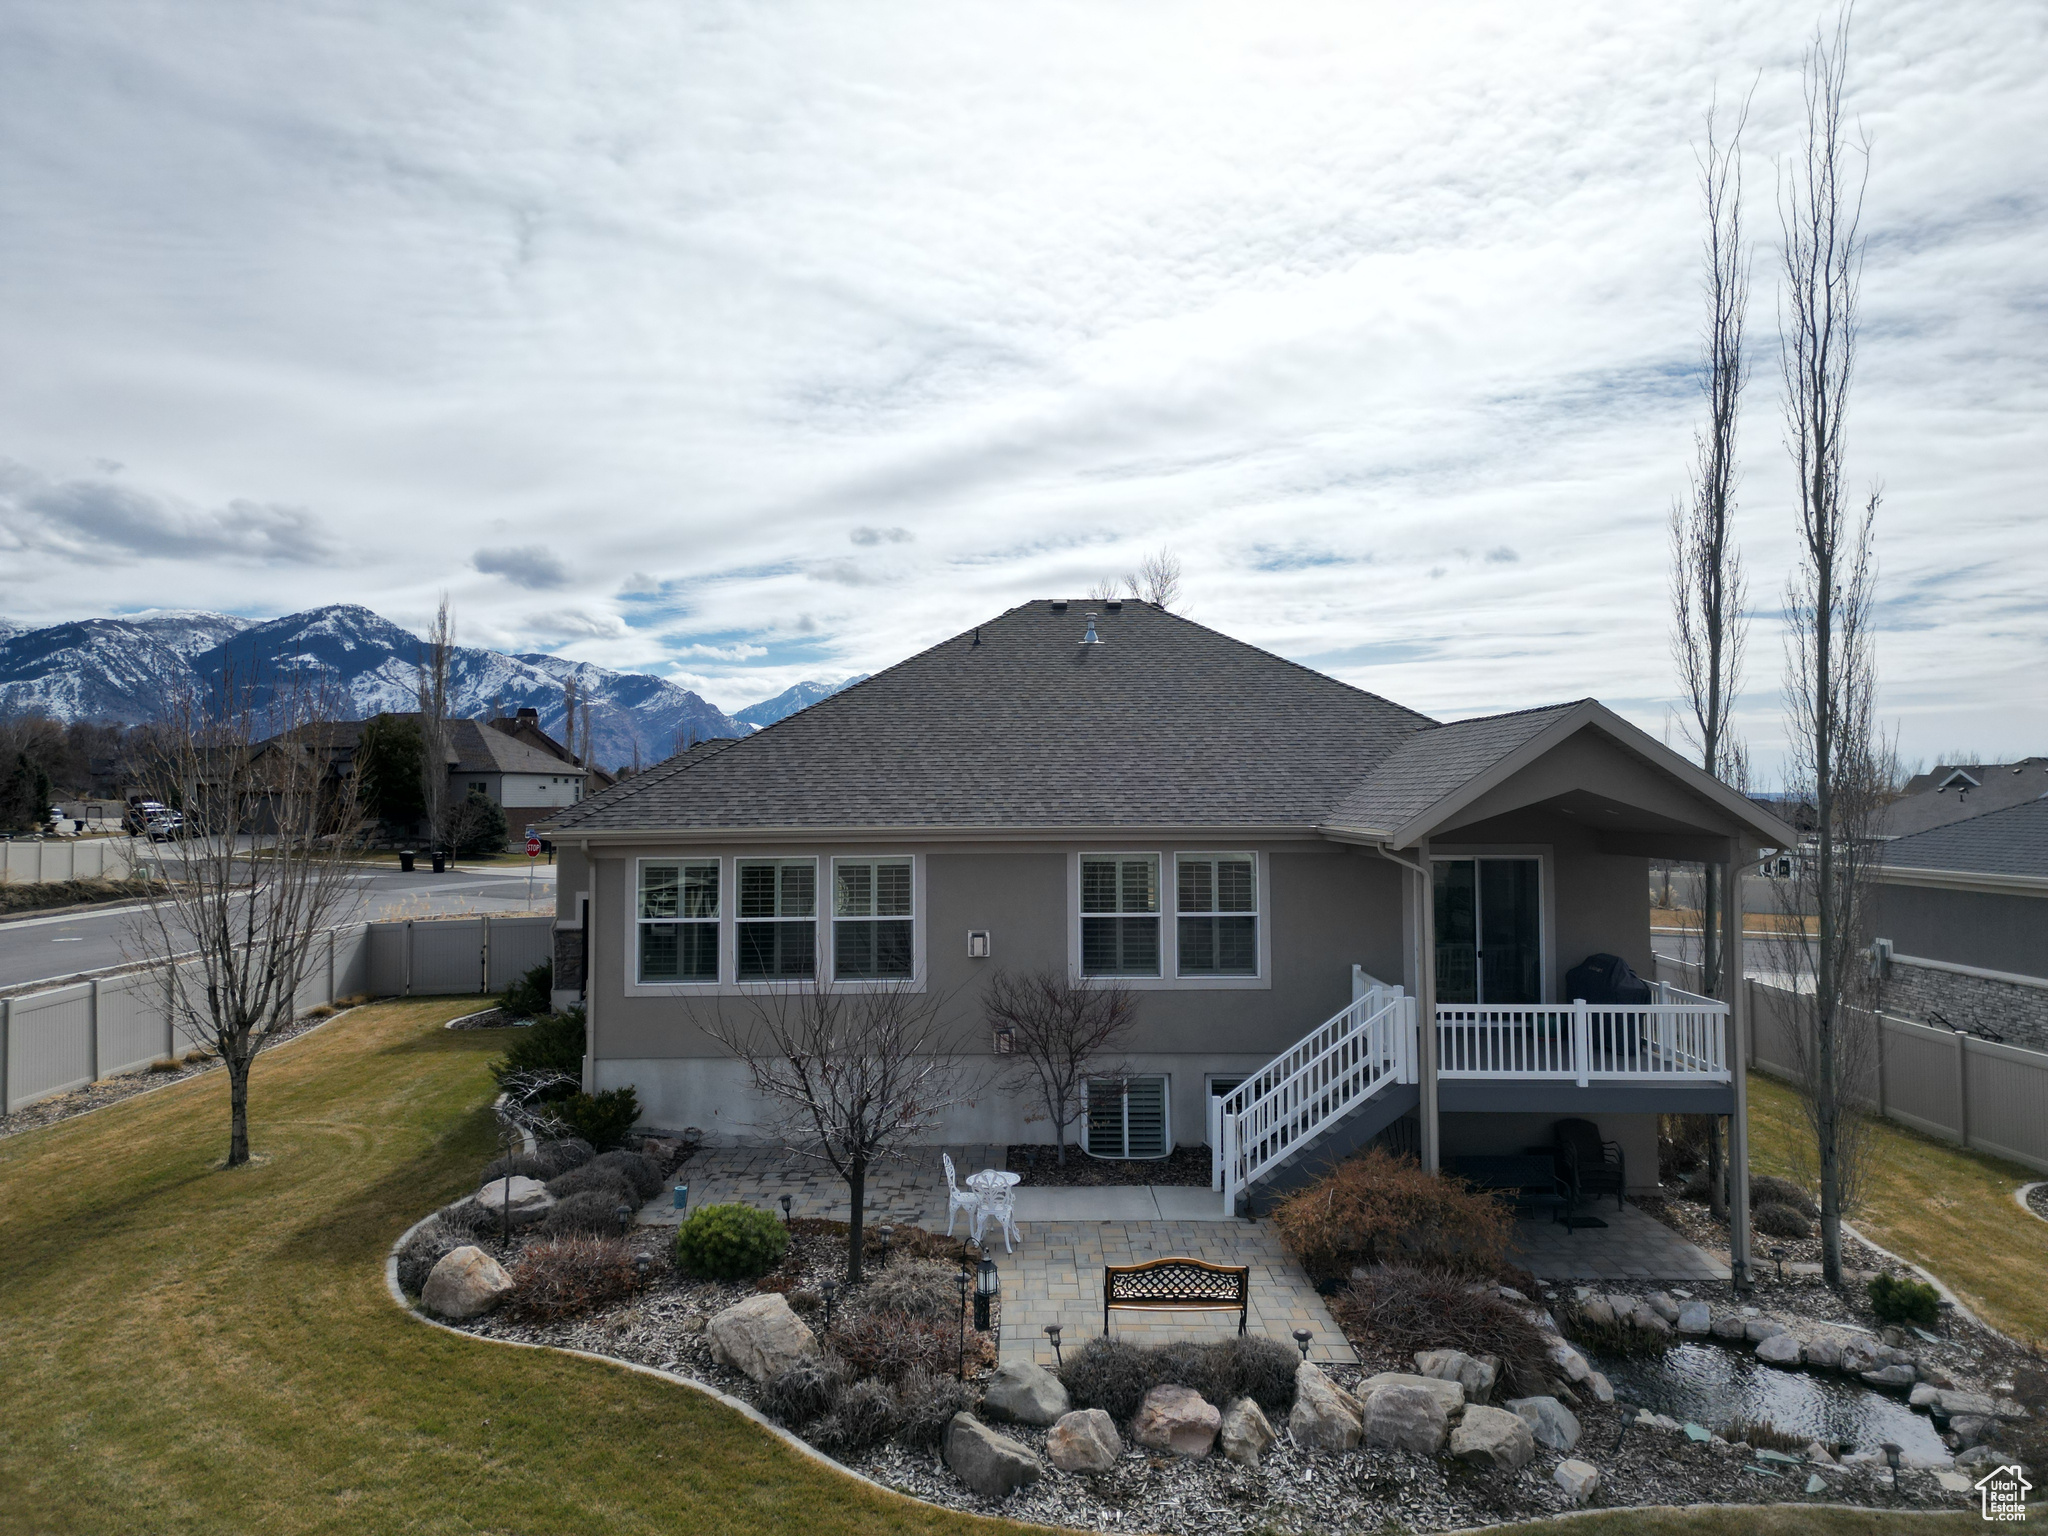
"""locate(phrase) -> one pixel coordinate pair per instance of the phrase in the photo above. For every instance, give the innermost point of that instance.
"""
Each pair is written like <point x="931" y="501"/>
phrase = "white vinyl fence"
<point x="1988" y="1097"/>
<point x="66" y="1037"/>
<point x="31" y="861"/>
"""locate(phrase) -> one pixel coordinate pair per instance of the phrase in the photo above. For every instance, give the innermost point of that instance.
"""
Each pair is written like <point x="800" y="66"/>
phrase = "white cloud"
<point x="1002" y="305"/>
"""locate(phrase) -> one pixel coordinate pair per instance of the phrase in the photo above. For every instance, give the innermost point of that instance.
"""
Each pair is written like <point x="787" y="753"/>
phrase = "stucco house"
<point x="1337" y="913"/>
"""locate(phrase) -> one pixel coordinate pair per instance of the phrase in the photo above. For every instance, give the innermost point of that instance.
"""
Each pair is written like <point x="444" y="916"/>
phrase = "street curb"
<point x="126" y="904"/>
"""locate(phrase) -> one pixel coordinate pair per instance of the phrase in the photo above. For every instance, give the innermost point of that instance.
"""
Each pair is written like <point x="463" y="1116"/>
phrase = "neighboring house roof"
<point x="476" y="748"/>
<point x="1019" y="725"/>
<point x="525" y="726"/>
<point x="1955" y="792"/>
<point x="2012" y="842"/>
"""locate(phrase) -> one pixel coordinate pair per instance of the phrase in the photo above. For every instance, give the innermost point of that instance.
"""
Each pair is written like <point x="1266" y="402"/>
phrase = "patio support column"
<point x="1425" y="1009"/>
<point x="1735" y="993"/>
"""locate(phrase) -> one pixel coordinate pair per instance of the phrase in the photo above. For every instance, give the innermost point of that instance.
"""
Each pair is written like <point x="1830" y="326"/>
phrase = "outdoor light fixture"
<point x="1301" y="1338"/>
<point x="885" y="1233"/>
<point x="1948" y="1312"/>
<point x="1779" y="1255"/>
<point x="1052" y="1331"/>
<point x="1738" y="1276"/>
<point x="962" y="1278"/>
<point x="785" y="1210"/>
<point x="831" y="1289"/>
<point x="625" y="1215"/>
<point x="642" y="1264"/>
<point x="987" y="1286"/>
<point x="1891" y="1457"/>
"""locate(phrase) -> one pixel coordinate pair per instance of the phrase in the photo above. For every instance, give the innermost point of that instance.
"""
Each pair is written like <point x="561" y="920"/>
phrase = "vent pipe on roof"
<point x="1091" y="638"/>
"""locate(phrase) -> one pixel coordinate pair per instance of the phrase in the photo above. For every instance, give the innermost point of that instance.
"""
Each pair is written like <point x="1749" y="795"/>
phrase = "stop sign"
<point x="533" y="847"/>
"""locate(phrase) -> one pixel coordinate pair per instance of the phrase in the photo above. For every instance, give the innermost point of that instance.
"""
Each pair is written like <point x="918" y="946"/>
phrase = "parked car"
<point x="154" y="820"/>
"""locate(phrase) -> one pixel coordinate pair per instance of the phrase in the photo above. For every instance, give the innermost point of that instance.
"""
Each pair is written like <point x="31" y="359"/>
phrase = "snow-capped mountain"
<point x="125" y="669"/>
<point x="790" y="700"/>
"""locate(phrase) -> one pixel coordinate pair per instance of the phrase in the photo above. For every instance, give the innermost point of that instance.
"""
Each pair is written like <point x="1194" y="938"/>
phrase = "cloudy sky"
<point x="751" y="343"/>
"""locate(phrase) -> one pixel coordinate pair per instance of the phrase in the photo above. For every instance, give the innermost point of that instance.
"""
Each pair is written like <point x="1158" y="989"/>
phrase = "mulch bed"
<point x="111" y="1090"/>
<point x="1188" y="1166"/>
<point x="2037" y="1200"/>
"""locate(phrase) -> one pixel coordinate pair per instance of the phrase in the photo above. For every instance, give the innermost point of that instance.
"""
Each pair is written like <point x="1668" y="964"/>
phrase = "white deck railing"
<point x="1311" y="1086"/>
<point x="1681" y="1037"/>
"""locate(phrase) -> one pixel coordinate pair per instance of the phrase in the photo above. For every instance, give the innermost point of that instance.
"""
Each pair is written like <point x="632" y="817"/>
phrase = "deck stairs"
<point x="1319" y="1100"/>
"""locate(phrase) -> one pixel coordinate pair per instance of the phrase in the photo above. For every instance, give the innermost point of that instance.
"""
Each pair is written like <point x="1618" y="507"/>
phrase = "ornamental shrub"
<point x="918" y="1287"/>
<point x="553" y="1043"/>
<point x="595" y="1211"/>
<point x="866" y="1415"/>
<point x="1380" y="1207"/>
<point x="433" y="1242"/>
<point x="891" y="1345"/>
<point x="808" y="1390"/>
<point x="1774" y="1218"/>
<point x="591" y="1179"/>
<point x="1904" y="1301"/>
<point x="602" y="1119"/>
<point x="1769" y="1189"/>
<point x="532" y="994"/>
<point x="928" y="1400"/>
<point x="638" y="1171"/>
<point x="567" y="1276"/>
<point x="730" y="1242"/>
<point x="1114" y="1376"/>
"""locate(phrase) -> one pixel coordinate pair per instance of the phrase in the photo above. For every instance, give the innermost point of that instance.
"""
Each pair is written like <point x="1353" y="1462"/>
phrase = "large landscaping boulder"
<point x="1325" y="1417"/>
<point x="1451" y="1394"/>
<point x="992" y="1465"/>
<point x="1664" y="1304"/>
<point x="1890" y="1376"/>
<point x="467" y="1282"/>
<point x="1779" y="1349"/>
<point x="1822" y="1354"/>
<point x="759" y="1337"/>
<point x="1493" y="1439"/>
<point x="1695" y="1318"/>
<point x="1728" y="1326"/>
<point x="1407" y="1418"/>
<point x="1084" y="1441"/>
<point x="526" y="1199"/>
<point x="1549" y="1421"/>
<point x="1570" y="1361"/>
<point x="1246" y="1432"/>
<point x="1176" y="1419"/>
<point x="1475" y="1376"/>
<point x="1757" y="1329"/>
<point x="1577" y="1478"/>
<point x="1026" y="1394"/>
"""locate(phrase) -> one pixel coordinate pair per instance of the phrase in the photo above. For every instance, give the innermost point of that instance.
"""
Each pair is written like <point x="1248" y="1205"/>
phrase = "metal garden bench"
<point x="1185" y="1285"/>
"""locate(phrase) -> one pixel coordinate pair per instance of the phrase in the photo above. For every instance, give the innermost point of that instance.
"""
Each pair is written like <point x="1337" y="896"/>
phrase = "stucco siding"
<point x="1990" y="930"/>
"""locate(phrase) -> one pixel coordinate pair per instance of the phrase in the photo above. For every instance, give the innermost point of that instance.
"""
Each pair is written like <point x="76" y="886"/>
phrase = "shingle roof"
<point x="1431" y="763"/>
<point x="478" y="748"/>
<point x="2012" y="841"/>
<point x="1018" y="724"/>
<point x="1924" y="806"/>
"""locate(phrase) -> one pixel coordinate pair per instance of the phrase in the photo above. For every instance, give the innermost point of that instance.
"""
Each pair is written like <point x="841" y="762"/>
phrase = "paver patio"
<point x="1632" y="1246"/>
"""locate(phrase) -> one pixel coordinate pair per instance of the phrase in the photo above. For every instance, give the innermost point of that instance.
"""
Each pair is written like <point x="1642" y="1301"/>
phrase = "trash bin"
<point x="405" y="861"/>
<point x="440" y="862"/>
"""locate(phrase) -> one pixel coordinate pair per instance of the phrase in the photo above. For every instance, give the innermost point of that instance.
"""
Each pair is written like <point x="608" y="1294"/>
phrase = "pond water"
<point x="1711" y="1386"/>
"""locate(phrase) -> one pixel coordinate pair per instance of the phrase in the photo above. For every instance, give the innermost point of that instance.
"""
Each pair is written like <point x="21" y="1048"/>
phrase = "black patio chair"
<point x="1591" y="1166"/>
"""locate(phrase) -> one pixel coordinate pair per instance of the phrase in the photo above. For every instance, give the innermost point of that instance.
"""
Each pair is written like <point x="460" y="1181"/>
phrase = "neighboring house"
<point x="1289" y="872"/>
<point x="1964" y="911"/>
<point x="525" y="727"/>
<point x="1958" y="791"/>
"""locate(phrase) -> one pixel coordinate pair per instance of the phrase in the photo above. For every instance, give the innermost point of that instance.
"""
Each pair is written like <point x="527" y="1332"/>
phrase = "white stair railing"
<point x="1312" y="1085"/>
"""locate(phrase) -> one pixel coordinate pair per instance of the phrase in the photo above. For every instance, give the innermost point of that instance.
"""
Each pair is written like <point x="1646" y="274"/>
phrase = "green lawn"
<point x="187" y="1350"/>
<point x="1950" y="1211"/>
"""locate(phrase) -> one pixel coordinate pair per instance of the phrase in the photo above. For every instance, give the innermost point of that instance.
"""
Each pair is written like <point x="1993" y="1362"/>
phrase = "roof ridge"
<point x="1286" y="661"/>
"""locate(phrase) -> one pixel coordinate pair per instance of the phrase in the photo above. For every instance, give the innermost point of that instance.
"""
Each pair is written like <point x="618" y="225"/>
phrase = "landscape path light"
<point x="831" y="1289"/>
<point x="1778" y="1254"/>
<point x="1891" y="1449"/>
<point x="964" y="1283"/>
<point x="785" y="1210"/>
<point x="1301" y="1338"/>
<point x="625" y="1215"/>
<point x="884" y="1233"/>
<point x="988" y="1286"/>
<point x="1052" y="1331"/>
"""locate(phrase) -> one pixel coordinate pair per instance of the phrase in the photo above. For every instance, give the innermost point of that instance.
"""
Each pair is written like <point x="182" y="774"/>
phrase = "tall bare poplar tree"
<point x="262" y="866"/>
<point x="1831" y="674"/>
<point x="436" y="659"/>
<point x="1708" y="590"/>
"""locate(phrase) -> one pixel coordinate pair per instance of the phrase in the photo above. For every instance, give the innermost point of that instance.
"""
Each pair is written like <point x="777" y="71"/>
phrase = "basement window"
<point x="1127" y="1117"/>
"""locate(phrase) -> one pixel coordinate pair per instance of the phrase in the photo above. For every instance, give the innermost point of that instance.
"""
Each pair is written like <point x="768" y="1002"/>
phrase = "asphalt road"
<point x="50" y="949"/>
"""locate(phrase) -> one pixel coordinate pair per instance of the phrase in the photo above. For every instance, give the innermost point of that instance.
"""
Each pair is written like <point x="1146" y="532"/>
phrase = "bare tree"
<point x="1836" y="750"/>
<point x="435" y="660"/>
<point x="262" y="866"/>
<point x="1104" y="590"/>
<point x="1063" y="1033"/>
<point x="850" y="1077"/>
<point x="1156" y="580"/>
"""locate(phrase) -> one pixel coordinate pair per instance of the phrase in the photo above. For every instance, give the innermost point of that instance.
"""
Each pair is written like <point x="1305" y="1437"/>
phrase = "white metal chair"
<point x="1003" y="1208"/>
<point x="958" y="1200"/>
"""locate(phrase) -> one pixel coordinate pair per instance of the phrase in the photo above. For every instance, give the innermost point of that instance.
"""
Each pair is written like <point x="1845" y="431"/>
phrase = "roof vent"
<point x="1059" y="605"/>
<point x="1114" y="604"/>
<point x="1091" y="638"/>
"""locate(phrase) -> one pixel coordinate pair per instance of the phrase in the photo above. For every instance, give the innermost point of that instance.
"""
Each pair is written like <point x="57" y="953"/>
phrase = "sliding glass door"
<point x="1489" y="930"/>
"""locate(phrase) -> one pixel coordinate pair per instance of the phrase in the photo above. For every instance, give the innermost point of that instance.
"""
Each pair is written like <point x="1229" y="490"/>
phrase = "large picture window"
<point x="1217" y="914"/>
<point x="776" y="932"/>
<point x="1127" y="1117"/>
<point x="1120" y="914"/>
<point x="678" y="921"/>
<point x="871" y="919"/>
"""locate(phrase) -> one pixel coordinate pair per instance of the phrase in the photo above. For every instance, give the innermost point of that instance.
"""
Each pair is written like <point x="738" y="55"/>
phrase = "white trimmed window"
<point x="1217" y="914"/>
<point x="678" y="921"/>
<point x="776" y="928"/>
<point x="1119" y="914"/>
<point x="1127" y="1117"/>
<point x="872" y="920"/>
